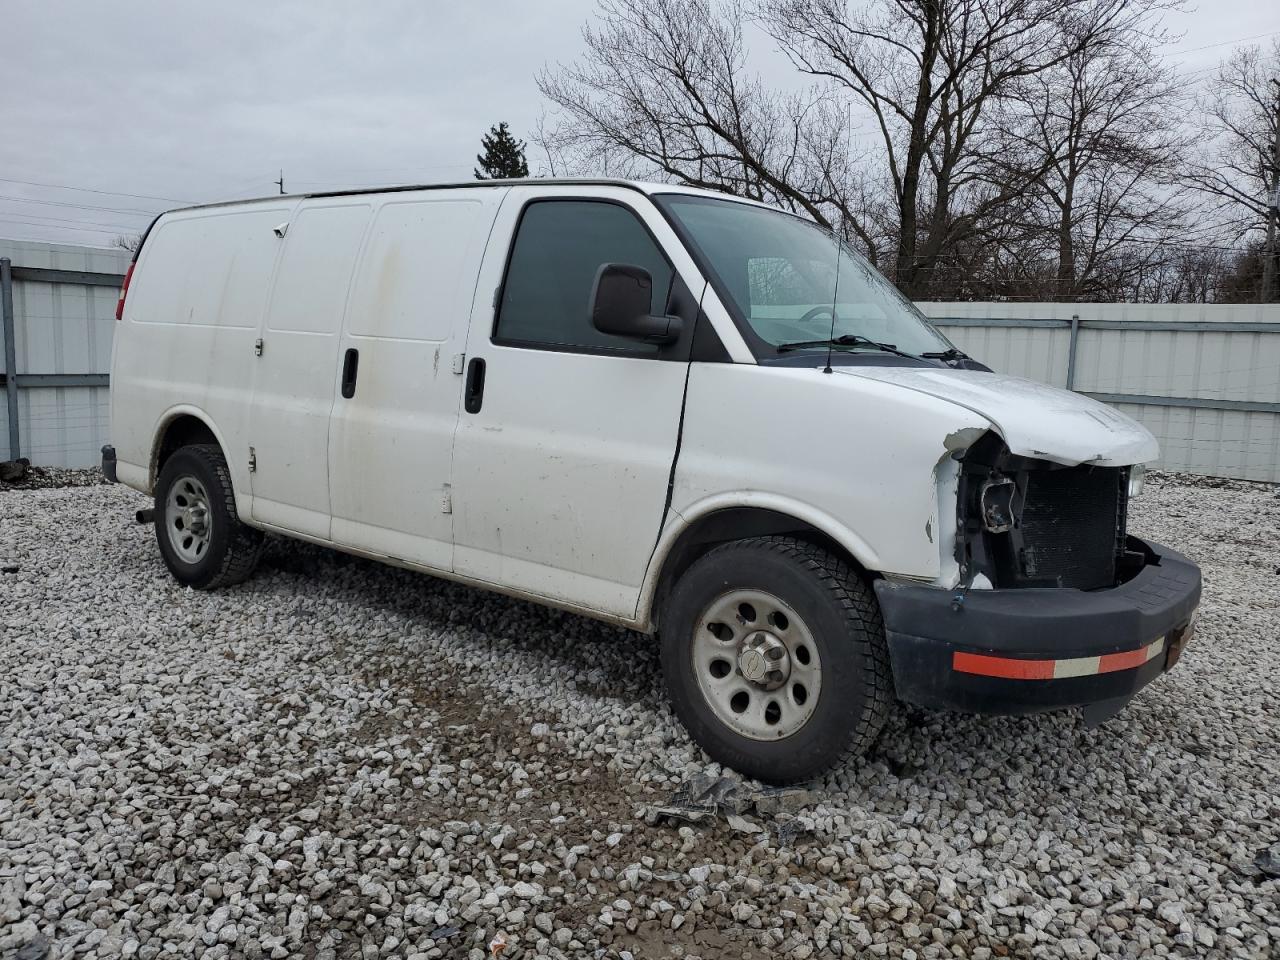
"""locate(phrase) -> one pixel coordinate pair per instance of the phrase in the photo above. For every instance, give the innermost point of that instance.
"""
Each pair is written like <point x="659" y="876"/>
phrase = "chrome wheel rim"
<point x="757" y="665"/>
<point x="187" y="518"/>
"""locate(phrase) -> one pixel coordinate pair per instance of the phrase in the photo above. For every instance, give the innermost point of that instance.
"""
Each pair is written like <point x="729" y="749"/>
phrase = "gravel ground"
<point x="339" y="759"/>
<point x="39" y="478"/>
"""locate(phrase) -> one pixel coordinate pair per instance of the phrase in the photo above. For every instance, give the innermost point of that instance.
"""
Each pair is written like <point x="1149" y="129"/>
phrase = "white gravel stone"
<point x="338" y="759"/>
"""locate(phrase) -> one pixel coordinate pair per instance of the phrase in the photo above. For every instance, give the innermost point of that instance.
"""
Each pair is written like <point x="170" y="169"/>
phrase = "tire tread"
<point x="245" y="544"/>
<point x="856" y="603"/>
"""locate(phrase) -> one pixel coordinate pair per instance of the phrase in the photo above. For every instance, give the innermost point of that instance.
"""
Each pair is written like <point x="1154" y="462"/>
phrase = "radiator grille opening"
<point x="1072" y="525"/>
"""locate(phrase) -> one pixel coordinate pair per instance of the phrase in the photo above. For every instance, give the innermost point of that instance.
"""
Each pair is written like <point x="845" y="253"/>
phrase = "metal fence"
<point x="1204" y="379"/>
<point x="57" y="305"/>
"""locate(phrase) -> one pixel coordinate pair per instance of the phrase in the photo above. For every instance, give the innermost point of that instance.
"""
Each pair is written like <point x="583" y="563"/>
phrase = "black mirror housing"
<point x="620" y="301"/>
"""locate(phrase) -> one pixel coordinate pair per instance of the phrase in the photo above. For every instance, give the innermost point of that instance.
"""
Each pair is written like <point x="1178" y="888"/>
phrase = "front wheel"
<point x="775" y="659"/>
<point x="201" y="538"/>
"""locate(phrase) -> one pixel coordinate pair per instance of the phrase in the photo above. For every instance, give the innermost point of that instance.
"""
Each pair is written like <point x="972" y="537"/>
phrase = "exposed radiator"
<point x="1073" y="526"/>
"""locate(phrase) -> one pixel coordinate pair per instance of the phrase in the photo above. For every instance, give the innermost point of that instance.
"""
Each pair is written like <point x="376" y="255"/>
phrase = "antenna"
<point x="280" y="182"/>
<point x="835" y="289"/>
<point x="839" y="237"/>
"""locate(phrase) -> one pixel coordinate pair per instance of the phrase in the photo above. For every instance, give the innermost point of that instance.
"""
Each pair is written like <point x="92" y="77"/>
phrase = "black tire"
<point x="232" y="549"/>
<point x="840" y="614"/>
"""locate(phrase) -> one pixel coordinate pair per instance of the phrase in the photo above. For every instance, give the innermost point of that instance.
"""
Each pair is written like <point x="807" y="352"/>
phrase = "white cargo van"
<point x="669" y="409"/>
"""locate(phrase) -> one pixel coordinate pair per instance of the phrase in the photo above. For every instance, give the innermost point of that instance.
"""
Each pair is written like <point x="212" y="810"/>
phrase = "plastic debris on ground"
<point x="1268" y="860"/>
<point x="706" y="797"/>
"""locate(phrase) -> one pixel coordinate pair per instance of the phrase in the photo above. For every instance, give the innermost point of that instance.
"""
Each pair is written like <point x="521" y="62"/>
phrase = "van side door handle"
<point x="473" y="396"/>
<point x="350" y="366"/>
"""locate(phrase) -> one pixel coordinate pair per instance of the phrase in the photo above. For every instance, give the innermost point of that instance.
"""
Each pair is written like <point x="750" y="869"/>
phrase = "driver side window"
<point x="558" y="248"/>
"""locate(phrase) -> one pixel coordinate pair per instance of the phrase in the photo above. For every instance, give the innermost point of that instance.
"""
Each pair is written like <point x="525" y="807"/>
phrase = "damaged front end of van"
<point x="1053" y="603"/>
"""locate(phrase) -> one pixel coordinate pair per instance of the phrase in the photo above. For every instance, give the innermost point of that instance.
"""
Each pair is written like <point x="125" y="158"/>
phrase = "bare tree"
<point x="1186" y="275"/>
<point x="1098" y="128"/>
<point x="976" y="179"/>
<point x="1237" y="167"/>
<point x="930" y="73"/>
<point x="130" y="242"/>
<point x="664" y="91"/>
<point x="1244" y="275"/>
<point x="1240" y="120"/>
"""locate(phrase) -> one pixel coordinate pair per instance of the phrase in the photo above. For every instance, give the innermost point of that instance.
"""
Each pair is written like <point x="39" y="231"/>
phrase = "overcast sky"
<point x="192" y="102"/>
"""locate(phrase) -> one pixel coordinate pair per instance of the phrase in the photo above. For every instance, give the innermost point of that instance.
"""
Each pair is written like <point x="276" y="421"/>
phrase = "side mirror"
<point x="620" y="301"/>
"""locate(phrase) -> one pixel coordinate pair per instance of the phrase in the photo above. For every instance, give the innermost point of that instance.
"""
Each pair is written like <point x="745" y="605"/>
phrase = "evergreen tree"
<point x="503" y="157"/>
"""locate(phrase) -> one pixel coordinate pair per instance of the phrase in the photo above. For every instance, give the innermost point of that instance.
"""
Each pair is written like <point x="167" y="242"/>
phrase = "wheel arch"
<point x="726" y="519"/>
<point x="178" y="427"/>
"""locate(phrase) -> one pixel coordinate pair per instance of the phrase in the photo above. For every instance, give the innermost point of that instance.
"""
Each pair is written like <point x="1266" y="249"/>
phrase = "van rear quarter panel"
<point x="185" y="343"/>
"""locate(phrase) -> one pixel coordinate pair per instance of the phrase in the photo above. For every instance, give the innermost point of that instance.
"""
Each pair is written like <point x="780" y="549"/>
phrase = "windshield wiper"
<point x="847" y="340"/>
<point x="946" y="356"/>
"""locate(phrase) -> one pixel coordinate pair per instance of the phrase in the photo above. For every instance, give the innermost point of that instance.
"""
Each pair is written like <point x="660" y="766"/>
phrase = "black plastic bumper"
<point x="1017" y="636"/>
<point x="109" y="463"/>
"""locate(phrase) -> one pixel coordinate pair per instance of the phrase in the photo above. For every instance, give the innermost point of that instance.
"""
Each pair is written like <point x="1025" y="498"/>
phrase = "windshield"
<point x="780" y="272"/>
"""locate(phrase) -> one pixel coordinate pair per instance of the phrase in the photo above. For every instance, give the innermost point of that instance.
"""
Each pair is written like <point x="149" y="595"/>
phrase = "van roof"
<point x="642" y="186"/>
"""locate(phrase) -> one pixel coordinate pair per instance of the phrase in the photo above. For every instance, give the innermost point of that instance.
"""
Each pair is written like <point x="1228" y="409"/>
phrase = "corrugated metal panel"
<point x="1221" y="443"/>
<point x="62" y="328"/>
<point x="1217" y="366"/>
<point x="63" y="426"/>
<point x="1035" y="354"/>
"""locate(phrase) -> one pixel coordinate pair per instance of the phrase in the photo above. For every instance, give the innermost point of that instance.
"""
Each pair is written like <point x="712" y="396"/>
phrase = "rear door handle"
<point x="473" y="396"/>
<point x="350" y="366"/>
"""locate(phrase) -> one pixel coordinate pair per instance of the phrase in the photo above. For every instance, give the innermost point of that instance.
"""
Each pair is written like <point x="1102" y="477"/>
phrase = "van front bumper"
<point x="1030" y="650"/>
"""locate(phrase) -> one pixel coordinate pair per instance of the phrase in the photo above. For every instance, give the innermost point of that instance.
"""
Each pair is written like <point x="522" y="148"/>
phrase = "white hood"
<point x="1034" y="419"/>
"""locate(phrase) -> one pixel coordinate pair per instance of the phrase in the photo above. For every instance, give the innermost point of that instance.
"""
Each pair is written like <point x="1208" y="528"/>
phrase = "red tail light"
<point x="124" y="292"/>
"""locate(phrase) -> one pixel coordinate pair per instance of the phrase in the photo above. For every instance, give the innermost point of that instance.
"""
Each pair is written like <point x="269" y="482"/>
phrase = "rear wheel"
<point x="201" y="538"/>
<point x="775" y="658"/>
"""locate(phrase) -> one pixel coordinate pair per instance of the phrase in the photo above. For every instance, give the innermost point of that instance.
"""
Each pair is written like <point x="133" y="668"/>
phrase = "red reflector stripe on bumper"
<point x="1011" y="668"/>
<point x="1122" y="661"/>
<point x="1005" y="667"/>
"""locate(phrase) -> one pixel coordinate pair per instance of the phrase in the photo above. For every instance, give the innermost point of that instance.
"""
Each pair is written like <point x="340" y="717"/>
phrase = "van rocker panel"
<point x="1029" y="650"/>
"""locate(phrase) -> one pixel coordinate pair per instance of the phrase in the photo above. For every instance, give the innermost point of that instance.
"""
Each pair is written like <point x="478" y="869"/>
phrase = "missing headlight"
<point x="997" y="504"/>
<point x="1023" y="522"/>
